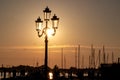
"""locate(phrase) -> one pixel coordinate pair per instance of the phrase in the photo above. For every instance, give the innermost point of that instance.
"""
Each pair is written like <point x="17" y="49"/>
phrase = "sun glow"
<point x="50" y="32"/>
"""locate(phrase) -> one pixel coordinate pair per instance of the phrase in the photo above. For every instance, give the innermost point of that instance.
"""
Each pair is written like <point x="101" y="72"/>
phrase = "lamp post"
<point x="45" y="31"/>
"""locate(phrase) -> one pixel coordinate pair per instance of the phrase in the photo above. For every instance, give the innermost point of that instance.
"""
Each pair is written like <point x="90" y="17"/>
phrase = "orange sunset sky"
<point x="83" y="22"/>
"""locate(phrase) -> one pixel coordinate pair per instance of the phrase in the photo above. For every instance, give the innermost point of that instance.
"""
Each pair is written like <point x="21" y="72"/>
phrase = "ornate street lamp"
<point x="43" y="30"/>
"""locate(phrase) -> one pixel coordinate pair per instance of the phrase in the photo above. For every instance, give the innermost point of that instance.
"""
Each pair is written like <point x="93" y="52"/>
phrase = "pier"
<point x="105" y="71"/>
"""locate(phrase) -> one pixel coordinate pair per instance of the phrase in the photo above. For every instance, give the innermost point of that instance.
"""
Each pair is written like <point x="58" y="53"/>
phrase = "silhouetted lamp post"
<point x="46" y="30"/>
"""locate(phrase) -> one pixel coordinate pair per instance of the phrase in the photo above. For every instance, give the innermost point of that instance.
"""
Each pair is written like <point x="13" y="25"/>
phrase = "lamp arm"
<point x="40" y="34"/>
